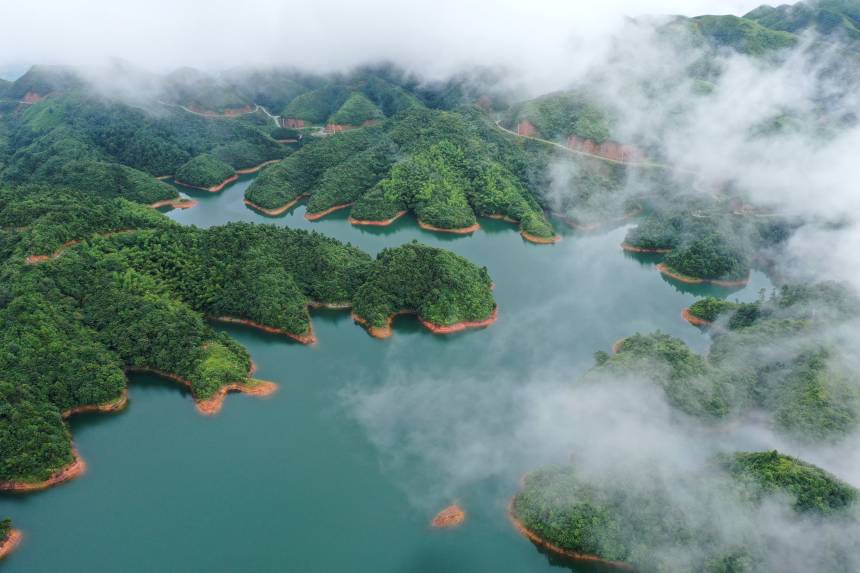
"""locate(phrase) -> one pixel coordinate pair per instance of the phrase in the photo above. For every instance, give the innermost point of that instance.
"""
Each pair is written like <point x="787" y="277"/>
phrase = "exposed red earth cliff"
<point x="9" y="544"/>
<point x="307" y="338"/>
<point x="608" y="149"/>
<point x="384" y="223"/>
<point x="385" y="331"/>
<point x="32" y="97"/>
<point x="697" y="281"/>
<point x="616" y="346"/>
<point x="451" y="516"/>
<point x="321" y="214"/>
<point x="293" y="123"/>
<point x="540" y="542"/>
<point x="214" y="188"/>
<point x="526" y="129"/>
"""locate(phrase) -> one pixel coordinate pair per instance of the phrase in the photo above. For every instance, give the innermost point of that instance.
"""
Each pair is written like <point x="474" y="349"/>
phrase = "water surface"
<point x="294" y="483"/>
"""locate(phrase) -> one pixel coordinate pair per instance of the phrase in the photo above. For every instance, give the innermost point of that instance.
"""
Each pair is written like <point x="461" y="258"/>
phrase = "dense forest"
<point x="772" y="357"/>
<point x="447" y="167"/>
<point x="649" y="526"/>
<point x="136" y="300"/>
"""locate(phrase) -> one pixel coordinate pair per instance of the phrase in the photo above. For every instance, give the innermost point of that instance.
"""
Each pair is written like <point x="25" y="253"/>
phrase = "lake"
<point x="322" y="476"/>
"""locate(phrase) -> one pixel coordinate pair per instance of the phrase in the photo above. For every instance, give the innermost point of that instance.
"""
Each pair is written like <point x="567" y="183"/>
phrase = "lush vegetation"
<point x="204" y="171"/>
<point x="112" y="302"/>
<point x="812" y="489"/>
<point x="443" y="288"/>
<point x="445" y="166"/>
<point x="770" y="357"/>
<point x="563" y="114"/>
<point x="649" y="526"/>
<point x="356" y="110"/>
<point x="5" y="529"/>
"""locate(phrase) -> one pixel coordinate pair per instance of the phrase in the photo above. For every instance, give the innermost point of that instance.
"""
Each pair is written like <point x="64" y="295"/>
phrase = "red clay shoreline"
<point x="64" y="474"/>
<point x="308" y="338"/>
<point x="633" y="249"/>
<point x="383" y="223"/>
<point x="540" y="240"/>
<point x="541" y="542"/>
<point x="212" y="405"/>
<point x="666" y="271"/>
<point x="693" y="319"/>
<point x="278" y="210"/>
<point x="321" y="214"/>
<point x="385" y="331"/>
<point x="460" y="231"/>
<point x="178" y="203"/>
<point x="9" y="544"/>
<point x="214" y="188"/>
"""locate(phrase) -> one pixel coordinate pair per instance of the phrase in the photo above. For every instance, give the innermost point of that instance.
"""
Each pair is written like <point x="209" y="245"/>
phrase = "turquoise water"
<point x="296" y="482"/>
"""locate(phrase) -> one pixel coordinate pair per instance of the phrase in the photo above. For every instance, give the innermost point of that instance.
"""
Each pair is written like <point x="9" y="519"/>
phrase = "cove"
<point x="292" y="482"/>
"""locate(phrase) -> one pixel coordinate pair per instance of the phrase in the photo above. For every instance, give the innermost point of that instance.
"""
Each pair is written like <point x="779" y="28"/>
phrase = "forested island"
<point x="648" y="528"/>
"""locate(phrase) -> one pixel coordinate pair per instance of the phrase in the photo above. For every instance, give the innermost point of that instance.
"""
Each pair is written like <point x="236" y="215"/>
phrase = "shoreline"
<point x="633" y="249"/>
<point x="541" y="542"/>
<point x="9" y="544"/>
<point x="111" y="407"/>
<point x="278" y="210"/>
<point x="383" y="223"/>
<point x="178" y="203"/>
<point x="693" y="319"/>
<point x="256" y="168"/>
<point x="459" y="231"/>
<point x="540" y="240"/>
<point x="308" y="338"/>
<point x="666" y="271"/>
<point x="321" y="214"/>
<point x="215" y="188"/>
<point x="383" y="332"/>
<point x="62" y="475"/>
<point x="213" y="404"/>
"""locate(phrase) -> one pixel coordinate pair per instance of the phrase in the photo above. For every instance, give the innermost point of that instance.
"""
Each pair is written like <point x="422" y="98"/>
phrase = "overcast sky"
<point x="431" y="37"/>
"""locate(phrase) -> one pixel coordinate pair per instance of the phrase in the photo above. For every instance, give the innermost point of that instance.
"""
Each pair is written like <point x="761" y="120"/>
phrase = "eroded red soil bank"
<point x="330" y="210"/>
<point x="276" y="211"/>
<point x="214" y="189"/>
<point x="307" y="338"/>
<point x="697" y="281"/>
<point x="384" y="223"/>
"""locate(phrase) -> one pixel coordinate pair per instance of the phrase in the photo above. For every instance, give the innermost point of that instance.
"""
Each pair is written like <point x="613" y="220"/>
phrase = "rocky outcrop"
<point x="451" y="516"/>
